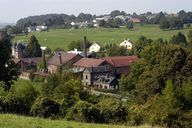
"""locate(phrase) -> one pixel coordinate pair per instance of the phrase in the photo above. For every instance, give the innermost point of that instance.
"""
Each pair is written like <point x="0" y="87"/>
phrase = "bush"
<point x="14" y="104"/>
<point x="112" y="110"/>
<point x="45" y="107"/>
<point x="83" y="111"/>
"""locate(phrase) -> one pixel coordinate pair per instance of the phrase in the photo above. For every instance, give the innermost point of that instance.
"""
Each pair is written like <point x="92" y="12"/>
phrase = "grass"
<point x="15" y="121"/>
<point x="60" y="38"/>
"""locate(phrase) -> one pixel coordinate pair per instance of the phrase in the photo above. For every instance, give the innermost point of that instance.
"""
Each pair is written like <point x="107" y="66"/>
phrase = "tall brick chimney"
<point x="60" y="60"/>
<point x="85" y="47"/>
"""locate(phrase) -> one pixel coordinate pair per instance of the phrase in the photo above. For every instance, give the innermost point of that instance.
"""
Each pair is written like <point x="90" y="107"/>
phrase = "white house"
<point x="94" y="48"/>
<point x="41" y="28"/>
<point x="126" y="44"/>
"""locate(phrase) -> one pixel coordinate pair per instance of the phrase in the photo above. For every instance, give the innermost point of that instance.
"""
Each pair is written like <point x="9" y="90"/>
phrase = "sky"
<point x="13" y="10"/>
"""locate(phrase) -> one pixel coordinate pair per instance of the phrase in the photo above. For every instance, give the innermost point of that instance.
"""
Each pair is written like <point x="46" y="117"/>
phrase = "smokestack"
<point x="60" y="60"/>
<point x="85" y="47"/>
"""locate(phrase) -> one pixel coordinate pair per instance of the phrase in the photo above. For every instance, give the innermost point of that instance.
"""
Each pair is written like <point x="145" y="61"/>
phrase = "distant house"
<point x="92" y="69"/>
<point x="66" y="60"/>
<point x="106" y="82"/>
<point x="18" y="50"/>
<point x="82" y="53"/>
<point x="121" y="63"/>
<point x="30" y="63"/>
<point x="126" y="44"/>
<point x="41" y="28"/>
<point x="31" y="29"/>
<point x="37" y="28"/>
<point x="94" y="48"/>
<point x="135" y="20"/>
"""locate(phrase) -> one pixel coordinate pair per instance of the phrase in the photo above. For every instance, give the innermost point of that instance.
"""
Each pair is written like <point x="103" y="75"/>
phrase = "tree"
<point x="8" y="69"/>
<point x="33" y="48"/>
<point x="164" y="24"/>
<point x="130" y="25"/>
<point x="179" y="39"/>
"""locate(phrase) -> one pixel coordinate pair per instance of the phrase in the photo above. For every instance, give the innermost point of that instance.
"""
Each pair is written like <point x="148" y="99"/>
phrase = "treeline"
<point x="64" y="20"/>
<point x="160" y="82"/>
<point x="61" y="97"/>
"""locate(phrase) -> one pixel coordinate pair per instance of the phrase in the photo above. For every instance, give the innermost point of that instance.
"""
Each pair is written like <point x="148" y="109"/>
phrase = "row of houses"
<point x="95" y="22"/>
<point x="18" y="48"/>
<point x="37" y="28"/>
<point x="102" y="73"/>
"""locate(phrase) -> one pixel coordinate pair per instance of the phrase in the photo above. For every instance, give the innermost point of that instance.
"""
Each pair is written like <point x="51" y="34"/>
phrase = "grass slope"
<point x="60" y="38"/>
<point x="14" y="121"/>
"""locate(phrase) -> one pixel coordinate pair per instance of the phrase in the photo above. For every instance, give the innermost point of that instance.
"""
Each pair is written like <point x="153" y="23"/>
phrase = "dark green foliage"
<point x="79" y="45"/>
<point x="164" y="24"/>
<point x="112" y="110"/>
<point x="130" y="25"/>
<point x="84" y="112"/>
<point x="179" y="39"/>
<point x="13" y="104"/>
<point x="115" y="50"/>
<point x="33" y="48"/>
<point x="8" y="69"/>
<point x="45" y="107"/>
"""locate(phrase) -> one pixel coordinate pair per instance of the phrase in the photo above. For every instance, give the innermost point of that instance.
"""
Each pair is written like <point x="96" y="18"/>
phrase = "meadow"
<point x="15" y="121"/>
<point x="60" y="38"/>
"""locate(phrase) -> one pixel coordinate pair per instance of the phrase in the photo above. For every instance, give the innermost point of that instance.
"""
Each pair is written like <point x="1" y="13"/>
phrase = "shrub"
<point x="112" y="110"/>
<point x="45" y="107"/>
<point x="84" y="112"/>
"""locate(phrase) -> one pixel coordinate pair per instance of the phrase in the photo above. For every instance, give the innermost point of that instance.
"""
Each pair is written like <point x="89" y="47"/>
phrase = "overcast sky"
<point x="12" y="10"/>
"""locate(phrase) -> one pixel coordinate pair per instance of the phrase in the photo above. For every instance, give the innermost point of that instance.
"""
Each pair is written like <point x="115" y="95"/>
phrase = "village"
<point x="95" y="73"/>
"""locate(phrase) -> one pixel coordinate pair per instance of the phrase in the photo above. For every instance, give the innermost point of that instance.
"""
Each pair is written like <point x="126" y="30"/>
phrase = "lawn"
<point x="14" y="121"/>
<point x="60" y="38"/>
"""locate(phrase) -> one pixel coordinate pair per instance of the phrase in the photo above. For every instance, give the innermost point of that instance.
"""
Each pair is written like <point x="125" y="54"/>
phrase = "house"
<point x="31" y="29"/>
<point x="106" y="82"/>
<point x="135" y="20"/>
<point x="92" y="69"/>
<point x="82" y="53"/>
<point x="94" y="48"/>
<point x="121" y="64"/>
<point x="66" y="60"/>
<point x="18" y="50"/>
<point x="29" y="64"/>
<point x="91" y="74"/>
<point x="126" y="44"/>
<point x="41" y="28"/>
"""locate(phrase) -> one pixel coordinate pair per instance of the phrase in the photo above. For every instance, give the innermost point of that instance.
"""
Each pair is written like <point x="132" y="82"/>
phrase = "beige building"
<point x="126" y="44"/>
<point x="94" y="48"/>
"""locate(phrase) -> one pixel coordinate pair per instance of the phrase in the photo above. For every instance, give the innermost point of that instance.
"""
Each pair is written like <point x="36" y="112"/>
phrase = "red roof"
<point x="65" y="57"/>
<point x="121" y="61"/>
<point x="89" y="62"/>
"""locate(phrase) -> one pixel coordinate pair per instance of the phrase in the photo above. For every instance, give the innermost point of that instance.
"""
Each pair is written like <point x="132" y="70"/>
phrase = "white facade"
<point x="94" y="48"/>
<point x="126" y="44"/>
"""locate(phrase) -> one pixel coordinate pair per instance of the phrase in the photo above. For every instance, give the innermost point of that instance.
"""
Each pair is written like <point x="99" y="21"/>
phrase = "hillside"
<point x="14" y="121"/>
<point x="60" y="38"/>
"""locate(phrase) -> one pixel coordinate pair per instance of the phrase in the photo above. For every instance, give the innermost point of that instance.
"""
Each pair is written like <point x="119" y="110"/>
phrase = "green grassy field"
<point x="62" y="37"/>
<point x="14" y="121"/>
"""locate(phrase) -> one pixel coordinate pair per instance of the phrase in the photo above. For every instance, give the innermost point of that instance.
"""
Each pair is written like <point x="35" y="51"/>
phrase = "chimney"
<point x="85" y="47"/>
<point x="60" y="60"/>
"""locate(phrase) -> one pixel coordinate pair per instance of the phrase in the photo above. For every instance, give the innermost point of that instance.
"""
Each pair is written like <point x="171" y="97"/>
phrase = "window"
<point x="86" y="77"/>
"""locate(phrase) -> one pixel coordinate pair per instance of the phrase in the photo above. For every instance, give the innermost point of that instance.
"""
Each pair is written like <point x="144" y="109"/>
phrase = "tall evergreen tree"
<point x="8" y="69"/>
<point x="33" y="48"/>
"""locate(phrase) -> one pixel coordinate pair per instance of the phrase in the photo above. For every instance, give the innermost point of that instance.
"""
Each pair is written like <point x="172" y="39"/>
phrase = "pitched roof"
<point x="65" y="57"/>
<point x="121" y="61"/>
<point x="89" y="62"/>
<point x="31" y="60"/>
